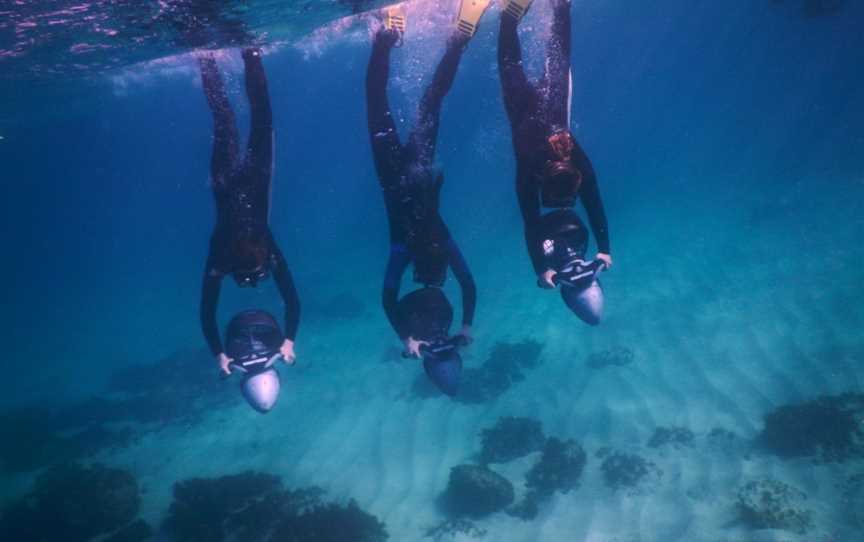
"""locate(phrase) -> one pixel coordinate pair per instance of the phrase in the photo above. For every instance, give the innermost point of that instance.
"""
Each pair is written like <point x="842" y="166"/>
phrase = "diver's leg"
<point x="520" y="97"/>
<point x="557" y="66"/>
<point x="259" y="153"/>
<point x="382" y="129"/>
<point x="587" y="304"/>
<point x="225" y="135"/>
<point x="425" y="134"/>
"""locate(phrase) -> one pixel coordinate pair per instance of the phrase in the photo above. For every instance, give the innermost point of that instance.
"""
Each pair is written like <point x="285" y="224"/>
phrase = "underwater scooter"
<point x="577" y="273"/>
<point x="442" y="362"/>
<point x="253" y="340"/>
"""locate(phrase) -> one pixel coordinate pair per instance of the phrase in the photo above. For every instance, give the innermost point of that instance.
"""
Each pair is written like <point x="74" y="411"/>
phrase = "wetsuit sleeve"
<point x="396" y="265"/>
<point x="225" y="135"/>
<point x="382" y="129"/>
<point x="520" y="97"/>
<point x="285" y="284"/>
<point x="209" y="301"/>
<point x="589" y="192"/>
<point x="529" y="205"/>
<point x="259" y="155"/>
<point x="557" y="76"/>
<point x="466" y="283"/>
<point x="425" y="135"/>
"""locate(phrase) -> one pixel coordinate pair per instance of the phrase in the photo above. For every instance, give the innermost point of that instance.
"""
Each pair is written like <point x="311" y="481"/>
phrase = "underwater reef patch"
<point x="34" y="437"/>
<point x="827" y="428"/>
<point x="452" y="528"/>
<point x="72" y="503"/>
<point x="137" y="531"/>
<point x="180" y="388"/>
<point x="559" y="469"/>
<point x="676" y="436"/>
<point x="852" y="491"/>
<point x="625" y="471"/>
<point x="511" y="438"/>
<point x="256" y="506"/>
<point x="771" y="504"/>
<point x="612" y="357"/>
<point x="476" y="491"/>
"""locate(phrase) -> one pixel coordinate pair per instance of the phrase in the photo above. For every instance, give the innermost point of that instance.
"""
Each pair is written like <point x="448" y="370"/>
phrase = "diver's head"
<point x="560" y="179"/>
<point x="250" y="249"/>
<point x="430" y="264"/>
<point x="261" y="390"/>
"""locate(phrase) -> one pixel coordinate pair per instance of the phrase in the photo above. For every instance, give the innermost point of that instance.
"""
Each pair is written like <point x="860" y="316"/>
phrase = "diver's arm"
<point x="209" y="301"/>
<point x="466" y="283"/>
<point x="590" y="195"/>
<point x="285" y="284"/>
<point x="529" y="205"/>
<point x="396" y="265"/>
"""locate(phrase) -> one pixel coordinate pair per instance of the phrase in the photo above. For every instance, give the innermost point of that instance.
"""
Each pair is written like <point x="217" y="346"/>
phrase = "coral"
<point x="454" y="527"/>
<point x="202" y="505"/>
<point x="771" y="504"/>
<point x="254" y="506"/>
<point x="72" y="503"/>
<point x="826" y="428"/>
<point x="526" y="509"/>
<point x="621" y="470"/>
<point x="678" y="436"/>
<point x="330" y="523"/>
<point x="511" y="438"/>
<point x="612" y="357"/>
<point x="476" y="491"/>
<point x="502" y="369"/>
<point x="853" y="499"/>
<point x="137" y="531"/>
<point x="28" y="439"/>
<point x="558" y="469"/>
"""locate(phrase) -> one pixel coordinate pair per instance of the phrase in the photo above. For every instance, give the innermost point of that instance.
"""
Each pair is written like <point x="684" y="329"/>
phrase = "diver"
<point x="411" y="184"/>
<point x="552" y="170"/>
<point x="242" y="244"/>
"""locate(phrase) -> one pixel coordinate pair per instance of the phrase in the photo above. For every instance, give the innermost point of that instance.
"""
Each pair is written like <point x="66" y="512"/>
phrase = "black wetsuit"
<point x="410" y="183"/>
<point x="241" y="188"/>
<point x="535" y="113"/>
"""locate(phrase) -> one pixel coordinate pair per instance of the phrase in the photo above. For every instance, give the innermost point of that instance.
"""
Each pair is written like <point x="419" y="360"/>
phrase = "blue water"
<point x="728" y="143"/>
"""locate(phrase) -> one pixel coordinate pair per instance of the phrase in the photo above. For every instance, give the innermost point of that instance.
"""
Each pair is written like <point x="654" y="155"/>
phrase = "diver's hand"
<point x="544" y="280"/>
<point x="412" y="347"/>
<point x="287" y="351"/>
<point x="605" y="258"/>
<point x="465" y="332"/>
<point x="224" y="362"/>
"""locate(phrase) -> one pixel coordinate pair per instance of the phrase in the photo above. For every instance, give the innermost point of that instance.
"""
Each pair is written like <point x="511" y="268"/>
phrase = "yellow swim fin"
<point x="517" y="8"/>
<point x="395" y="17"/>
<point x="470" y="12"/>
